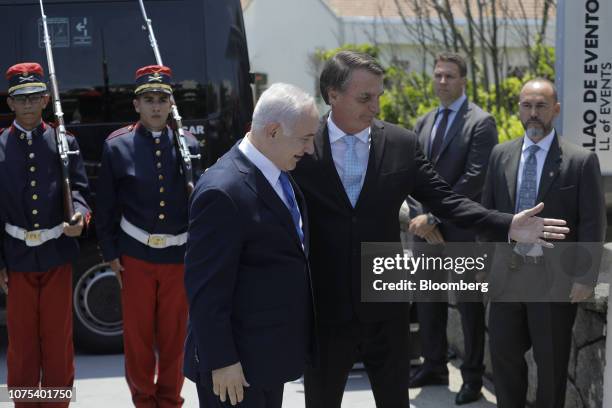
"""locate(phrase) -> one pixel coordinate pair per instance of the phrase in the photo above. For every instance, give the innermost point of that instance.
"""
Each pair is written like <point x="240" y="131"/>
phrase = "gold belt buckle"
<point x="33" y="237"/>
<point x="157" y="241"/>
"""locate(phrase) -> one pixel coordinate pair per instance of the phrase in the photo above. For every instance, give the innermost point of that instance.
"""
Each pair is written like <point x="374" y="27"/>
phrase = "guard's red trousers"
<point x="39" y="320"/>
<point x="154" y="322"/>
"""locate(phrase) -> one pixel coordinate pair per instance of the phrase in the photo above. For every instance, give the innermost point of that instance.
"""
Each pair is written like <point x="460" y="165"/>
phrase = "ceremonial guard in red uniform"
<point x="38" y="245"/>
<point x="142" y="227"/>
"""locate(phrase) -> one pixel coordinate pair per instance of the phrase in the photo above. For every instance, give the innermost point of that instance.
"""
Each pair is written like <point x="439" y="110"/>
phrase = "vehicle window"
<point x="98" y="46"/>
<point x="97" y="50"/>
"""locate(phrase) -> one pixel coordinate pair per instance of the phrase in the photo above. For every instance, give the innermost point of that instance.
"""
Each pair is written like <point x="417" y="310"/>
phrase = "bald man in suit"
<point x="534" y="290"/>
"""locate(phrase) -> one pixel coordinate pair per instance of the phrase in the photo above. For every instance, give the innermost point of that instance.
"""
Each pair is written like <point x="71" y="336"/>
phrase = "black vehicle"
<point x="97" y="47"/>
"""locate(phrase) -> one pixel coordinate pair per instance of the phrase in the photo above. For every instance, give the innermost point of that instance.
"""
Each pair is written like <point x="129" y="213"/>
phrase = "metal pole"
<point x="559" y="56"/>
<point x="149" y="29"/>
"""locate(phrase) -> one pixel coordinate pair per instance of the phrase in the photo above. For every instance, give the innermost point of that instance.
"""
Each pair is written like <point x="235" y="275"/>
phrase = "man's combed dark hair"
<point x="337" y="71"/>
<point x="455" y="59"/>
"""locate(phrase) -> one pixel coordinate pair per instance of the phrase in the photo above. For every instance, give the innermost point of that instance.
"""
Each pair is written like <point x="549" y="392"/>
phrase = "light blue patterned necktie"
<point x="351" y="179"/>
<point x="292" y="205"/>
<point x="528" y="190"/>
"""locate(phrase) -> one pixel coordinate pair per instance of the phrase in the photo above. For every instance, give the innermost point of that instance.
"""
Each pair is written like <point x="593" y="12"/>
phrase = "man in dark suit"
<point x="360" y="173"/>
<point x="457" y="137"/>
<point x="247" y="275"/>
<point x="533" y="295"/>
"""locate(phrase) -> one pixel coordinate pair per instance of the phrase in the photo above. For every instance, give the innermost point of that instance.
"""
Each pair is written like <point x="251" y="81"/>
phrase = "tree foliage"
<point x="409" y="95"/>
<point x="484" y="31"/>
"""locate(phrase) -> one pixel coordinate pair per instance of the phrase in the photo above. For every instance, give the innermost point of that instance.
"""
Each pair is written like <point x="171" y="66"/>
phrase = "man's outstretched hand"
<point x="528" y="228"/>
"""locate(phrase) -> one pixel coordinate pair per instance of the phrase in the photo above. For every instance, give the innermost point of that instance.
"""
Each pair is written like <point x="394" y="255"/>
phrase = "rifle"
<point x="60" y="132"/>
<point x="179" y="133"/>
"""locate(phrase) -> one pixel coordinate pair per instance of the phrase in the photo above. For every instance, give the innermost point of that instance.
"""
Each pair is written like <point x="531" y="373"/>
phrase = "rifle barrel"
<point x="179" y="133"/>
<point x="63" y="149"/>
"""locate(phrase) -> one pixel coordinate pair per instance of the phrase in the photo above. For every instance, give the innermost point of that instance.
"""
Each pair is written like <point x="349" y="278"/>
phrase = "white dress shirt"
<point x="454" y="108"/>
<point x="338" y="147"/>
<point x="541" y="154"/>
<point x="267" y="168"/>
<point x="157" y="134"/>
<point x="27" y="132"/>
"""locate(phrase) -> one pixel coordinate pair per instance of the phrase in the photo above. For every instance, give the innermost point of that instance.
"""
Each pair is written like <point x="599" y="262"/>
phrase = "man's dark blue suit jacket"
<point x="247" y="277"/>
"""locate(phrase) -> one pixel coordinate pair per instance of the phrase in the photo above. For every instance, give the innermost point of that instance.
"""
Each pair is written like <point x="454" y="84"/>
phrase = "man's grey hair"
<point x="281" y="103"/>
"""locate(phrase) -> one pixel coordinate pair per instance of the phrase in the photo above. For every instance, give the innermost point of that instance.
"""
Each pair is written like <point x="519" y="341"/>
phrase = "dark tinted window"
<point x="98" y="45"/>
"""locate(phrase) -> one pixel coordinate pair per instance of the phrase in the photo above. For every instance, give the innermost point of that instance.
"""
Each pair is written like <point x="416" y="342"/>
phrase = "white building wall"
<point x="394" y="41"/>
<point x="281" y="34"/>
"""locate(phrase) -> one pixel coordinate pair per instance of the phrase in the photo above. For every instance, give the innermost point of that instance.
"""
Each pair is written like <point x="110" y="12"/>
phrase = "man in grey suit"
<point x="534" y="289"/>
<point x="457" y="137"/>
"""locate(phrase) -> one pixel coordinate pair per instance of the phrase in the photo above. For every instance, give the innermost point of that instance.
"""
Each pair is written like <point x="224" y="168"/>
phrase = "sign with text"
<point x="587" y="76"/>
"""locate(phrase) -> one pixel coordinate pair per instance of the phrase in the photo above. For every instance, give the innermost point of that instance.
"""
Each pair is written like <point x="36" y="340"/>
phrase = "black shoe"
<point x="468" y="393"/>
<point x="425" y="377"/>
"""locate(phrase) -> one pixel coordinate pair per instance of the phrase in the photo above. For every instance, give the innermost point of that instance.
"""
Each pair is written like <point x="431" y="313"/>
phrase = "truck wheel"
<point x="97" y="311"/>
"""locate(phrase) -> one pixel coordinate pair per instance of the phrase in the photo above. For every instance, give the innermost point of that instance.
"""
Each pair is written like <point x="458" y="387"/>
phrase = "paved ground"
<point x="100" y="384"/>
